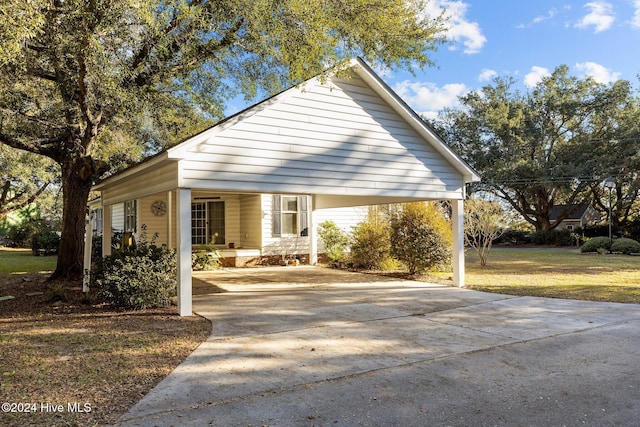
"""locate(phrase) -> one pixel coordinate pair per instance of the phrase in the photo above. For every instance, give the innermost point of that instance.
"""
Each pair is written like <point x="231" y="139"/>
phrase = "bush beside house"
<point x="139" y="276"/>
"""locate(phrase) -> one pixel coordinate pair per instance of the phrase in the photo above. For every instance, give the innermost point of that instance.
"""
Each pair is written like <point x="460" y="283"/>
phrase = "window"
<point x="290" y="216"/>
<point x="97" y="224"/>
<point x="130" y="215"/>
<point x="208" y="223"/>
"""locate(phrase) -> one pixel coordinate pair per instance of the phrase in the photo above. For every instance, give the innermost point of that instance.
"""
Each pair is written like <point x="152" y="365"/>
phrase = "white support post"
<point x="169" y="220"/>
<point x="313" y="233"/>
<point x="183" y="252"/>
<point x="106" y="230"/>
<point x="88" y="240"/>
<point x="457" y="223"/>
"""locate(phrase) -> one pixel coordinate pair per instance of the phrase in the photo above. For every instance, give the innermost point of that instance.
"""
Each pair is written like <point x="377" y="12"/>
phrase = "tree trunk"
<point x="76" y="184"/>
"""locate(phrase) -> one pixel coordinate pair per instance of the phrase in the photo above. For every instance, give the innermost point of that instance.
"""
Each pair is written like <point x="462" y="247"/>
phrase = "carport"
<point x="343" y="140"/>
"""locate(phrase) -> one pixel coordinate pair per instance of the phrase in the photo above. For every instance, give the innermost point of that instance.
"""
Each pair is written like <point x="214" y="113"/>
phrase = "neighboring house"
<point x="579" y="216"/>
<point x="262" y="180"/>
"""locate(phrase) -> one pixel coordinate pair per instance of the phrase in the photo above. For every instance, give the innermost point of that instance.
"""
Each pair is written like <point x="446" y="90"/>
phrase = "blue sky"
<point x="525" y="39"/>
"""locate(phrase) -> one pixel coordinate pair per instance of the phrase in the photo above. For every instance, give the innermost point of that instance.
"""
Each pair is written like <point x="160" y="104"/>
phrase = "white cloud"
<point x="598" y="72"/>
<point x="540" y="18"/>
<point x="427" y="98"/>
<point x="635" y="21"/>
<point x="460" y="30"/>
<point x="535" y="75"/>
<point x="600" y="17"/>
<point x="487" y="75"/>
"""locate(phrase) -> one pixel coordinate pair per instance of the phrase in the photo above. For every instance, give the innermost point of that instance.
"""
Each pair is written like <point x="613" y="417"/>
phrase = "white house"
<point x="262" y="180"/>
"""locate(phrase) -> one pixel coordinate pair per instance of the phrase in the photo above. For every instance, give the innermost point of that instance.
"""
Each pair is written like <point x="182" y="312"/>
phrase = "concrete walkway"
<point x="305" y="346"/>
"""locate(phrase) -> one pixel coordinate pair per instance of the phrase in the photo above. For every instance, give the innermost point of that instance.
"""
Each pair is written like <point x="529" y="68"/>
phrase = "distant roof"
<point x="577" y="211"/>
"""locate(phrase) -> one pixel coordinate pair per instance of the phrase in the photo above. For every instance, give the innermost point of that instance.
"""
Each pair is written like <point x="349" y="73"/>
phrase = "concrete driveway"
<point x="306" y="346"/>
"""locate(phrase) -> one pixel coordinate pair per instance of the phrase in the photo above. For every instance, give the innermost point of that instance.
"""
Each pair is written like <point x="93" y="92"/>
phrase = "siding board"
<point x="342" y="139"/>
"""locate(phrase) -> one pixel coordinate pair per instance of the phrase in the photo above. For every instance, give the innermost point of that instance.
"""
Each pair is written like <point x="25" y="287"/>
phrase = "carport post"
<point x="313" y="233"/>
<point x="183" y="237"/>
<point x="457" y="223"/>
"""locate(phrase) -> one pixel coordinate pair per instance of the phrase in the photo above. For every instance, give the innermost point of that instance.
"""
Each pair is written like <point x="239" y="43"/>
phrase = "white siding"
<point x="117" y="217"/>
<point x="342" y="140"/>
<point x="344" y="218"/>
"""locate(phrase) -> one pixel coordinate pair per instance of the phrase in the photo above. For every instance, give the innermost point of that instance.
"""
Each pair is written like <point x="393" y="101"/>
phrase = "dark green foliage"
<point x="625" y="246"/>
<point x="552" y="237"/>
<point x="514" y="237"/>
<point x="57" y="294"/>
<point x="370" y="243"/>
<point x="335" y="240"/>
<point x="420" y="237"/>
<point x="596" y="244"/>
<point x="140" y="278"/>
<point x="45" y="242"/>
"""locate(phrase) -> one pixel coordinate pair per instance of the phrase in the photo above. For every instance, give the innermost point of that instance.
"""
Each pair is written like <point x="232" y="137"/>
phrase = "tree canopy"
<point x="24" y="177"/>
<point x="96" y="84"/>
<point x="551" y="145"/>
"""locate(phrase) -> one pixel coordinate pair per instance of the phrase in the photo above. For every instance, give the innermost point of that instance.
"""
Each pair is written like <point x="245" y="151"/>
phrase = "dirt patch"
<point x="69" y="359"/>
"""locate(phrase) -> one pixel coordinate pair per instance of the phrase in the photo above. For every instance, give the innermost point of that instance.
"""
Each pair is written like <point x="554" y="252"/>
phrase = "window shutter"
<point x="304" y="215"/>
<point x="276" y="218"/>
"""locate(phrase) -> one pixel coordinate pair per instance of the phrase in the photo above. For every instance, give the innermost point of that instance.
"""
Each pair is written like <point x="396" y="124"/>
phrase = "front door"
<point x="208" y="223"/>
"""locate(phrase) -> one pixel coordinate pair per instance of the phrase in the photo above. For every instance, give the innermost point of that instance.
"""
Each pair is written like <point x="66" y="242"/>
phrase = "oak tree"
<point x="543" y="147"/>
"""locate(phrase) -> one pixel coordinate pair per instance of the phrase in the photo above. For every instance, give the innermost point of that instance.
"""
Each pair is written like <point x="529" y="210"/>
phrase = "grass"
<point x="20" y="262"/>
<point x="556" y="273"/>
<point x="74" y="352"/>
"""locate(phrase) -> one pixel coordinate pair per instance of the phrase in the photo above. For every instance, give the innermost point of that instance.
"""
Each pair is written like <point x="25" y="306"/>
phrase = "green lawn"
<point x="556" y="273"/>
<point x="18" y="262"/>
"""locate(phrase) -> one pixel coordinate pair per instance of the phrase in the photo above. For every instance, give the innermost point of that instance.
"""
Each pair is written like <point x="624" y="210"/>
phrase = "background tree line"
<point x="554" y="144"/>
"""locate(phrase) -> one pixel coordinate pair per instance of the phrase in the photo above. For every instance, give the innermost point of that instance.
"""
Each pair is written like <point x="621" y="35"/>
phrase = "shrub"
<point x="514" y="237"/>
<point x="335" y="240"/>
<point x="206" y="259"/>
<point x="370" y="242"/>
<point x="592" y="245"/>
<point x="421" y="237"/>
<point x="45" y="242"/>
<point x="625" y="246"/>
<point x="139" y="278"/>
<point x="553" y="237"/>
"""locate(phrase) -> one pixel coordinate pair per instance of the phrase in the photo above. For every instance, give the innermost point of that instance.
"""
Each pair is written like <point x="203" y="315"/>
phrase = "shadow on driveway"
<point x="303" y="346"/>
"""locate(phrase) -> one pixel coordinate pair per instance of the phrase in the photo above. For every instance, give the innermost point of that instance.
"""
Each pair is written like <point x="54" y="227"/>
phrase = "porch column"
<point x="88" y="240"/>
<point x="106" y="230"/>
<point x="170" y="220"/>
<point x="313" y="233"/>
<point x="457" y="223"/>
<point x="183" y="250"/>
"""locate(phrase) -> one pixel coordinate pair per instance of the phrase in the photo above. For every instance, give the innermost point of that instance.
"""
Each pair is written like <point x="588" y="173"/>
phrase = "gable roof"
<point x="357" y="66"/>
<point x="577" y="211"/>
